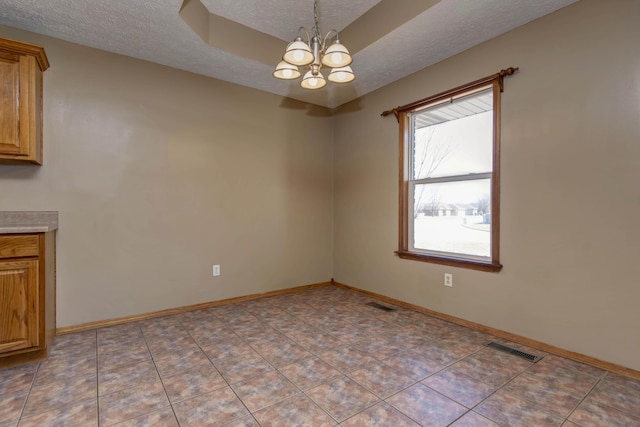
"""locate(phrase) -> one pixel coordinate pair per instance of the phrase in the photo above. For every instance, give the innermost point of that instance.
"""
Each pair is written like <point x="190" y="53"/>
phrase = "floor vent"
<point x="380" y="306"/>
<point x="524" y="355"/>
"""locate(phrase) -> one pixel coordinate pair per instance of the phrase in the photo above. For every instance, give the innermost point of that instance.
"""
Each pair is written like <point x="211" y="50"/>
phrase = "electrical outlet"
<point x="216" y="270"/>
<point x="448" y="279"/>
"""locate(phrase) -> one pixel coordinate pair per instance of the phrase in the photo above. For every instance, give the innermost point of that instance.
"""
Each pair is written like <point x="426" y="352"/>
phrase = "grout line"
<point x="97" y="380"/>
<point x="153" y="360"/>
<point x="216" y="368"/>
<point x="316" y="308"/>
<point x="24" y="404"/>
<point x="585" y="397"/>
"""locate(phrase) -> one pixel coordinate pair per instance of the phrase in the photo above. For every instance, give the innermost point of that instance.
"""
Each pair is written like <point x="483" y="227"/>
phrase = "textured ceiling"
<point x="388" y="44"/>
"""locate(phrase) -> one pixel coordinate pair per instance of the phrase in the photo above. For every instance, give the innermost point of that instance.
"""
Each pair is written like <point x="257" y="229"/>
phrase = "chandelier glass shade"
<point x="314" y="53"/>
<point x="341" y="75"/>
<point x="311" y="81"/>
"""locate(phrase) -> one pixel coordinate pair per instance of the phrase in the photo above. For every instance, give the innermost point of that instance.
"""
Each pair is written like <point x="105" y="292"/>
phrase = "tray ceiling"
<point x="244" y="39"/>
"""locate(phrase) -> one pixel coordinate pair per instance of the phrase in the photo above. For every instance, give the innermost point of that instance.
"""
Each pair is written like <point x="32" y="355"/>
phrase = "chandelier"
<point x="314" y="53"/>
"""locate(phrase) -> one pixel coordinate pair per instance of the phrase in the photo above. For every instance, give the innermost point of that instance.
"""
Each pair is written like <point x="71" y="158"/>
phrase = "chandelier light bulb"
<point x="287" y="74"/>
<point x="336" y="57"/>
<point x="298" y="55"/>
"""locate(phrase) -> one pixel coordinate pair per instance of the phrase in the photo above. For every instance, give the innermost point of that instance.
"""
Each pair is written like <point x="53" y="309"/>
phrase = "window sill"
<point x="454" y="262"/>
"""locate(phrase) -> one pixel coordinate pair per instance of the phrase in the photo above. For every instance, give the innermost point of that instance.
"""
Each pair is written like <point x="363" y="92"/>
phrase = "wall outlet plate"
<point x="448" y="279"/>
<point x="216" y="270"/>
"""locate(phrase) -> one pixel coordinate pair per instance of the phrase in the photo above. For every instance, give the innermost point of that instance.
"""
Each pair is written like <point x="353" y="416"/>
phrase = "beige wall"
<point x="158" y="174"/>
<point x="570" y="186"/>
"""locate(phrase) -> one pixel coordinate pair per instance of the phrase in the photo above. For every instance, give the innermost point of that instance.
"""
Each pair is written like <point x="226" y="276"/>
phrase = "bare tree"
<point x="483" y="204"/>
<point x="428" y="155"/>
<point x="433" y="202"/>
<point x="431" y="154"/>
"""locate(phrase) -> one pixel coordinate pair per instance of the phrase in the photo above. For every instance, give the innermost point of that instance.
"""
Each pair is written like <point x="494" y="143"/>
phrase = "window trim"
<point x="402" y="114"/>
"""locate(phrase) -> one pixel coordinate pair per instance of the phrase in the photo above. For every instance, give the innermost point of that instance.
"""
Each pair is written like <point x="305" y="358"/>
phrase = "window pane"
<point x="453" y="138"/>
<point x="453" y="217"/>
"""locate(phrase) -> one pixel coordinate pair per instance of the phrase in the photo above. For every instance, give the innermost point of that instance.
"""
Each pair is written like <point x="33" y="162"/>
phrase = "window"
<point x="449" y="176"/>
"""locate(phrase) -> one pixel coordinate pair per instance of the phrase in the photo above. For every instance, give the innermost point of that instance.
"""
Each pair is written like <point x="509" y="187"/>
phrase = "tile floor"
<point x="315" y="358"/>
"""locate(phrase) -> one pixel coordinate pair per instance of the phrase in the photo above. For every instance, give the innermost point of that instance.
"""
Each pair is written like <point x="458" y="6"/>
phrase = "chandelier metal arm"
<point x="306" y="32"/>
<point x="326" y="37"/>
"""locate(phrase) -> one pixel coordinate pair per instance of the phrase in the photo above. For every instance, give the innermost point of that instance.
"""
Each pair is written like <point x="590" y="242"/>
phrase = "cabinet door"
<point x="20" y="136"/>
<point x="19" y="322"/>
<point x="10" y="96"/>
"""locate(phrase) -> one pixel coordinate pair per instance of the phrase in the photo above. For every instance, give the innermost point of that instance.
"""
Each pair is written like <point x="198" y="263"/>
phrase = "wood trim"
<point x="48" y="277"/>
<point x="496" y="83"/>
<point x="22" y="48"/>
<point x="578" y="357"/>
<point x="495" y="180"/>
<point x="184" y="309"/>
<point x="22" y="358"/>
<point x="499" y="76"/>
<point x="453" y="262"/>
<point x="403" y="191"/>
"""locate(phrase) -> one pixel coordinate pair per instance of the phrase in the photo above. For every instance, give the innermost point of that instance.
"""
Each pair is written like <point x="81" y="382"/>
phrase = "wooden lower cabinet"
<point x="27" y="296"/>
<point x="18" y="305"/>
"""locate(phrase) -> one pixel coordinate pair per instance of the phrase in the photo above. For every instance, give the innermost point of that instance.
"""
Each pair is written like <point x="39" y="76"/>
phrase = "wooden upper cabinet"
<point x="21" y="68"/>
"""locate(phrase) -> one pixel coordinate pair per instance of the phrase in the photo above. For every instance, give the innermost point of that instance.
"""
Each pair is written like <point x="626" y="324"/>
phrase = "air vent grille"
<point x="380" y="306"/>
<point x="531" y="357"/>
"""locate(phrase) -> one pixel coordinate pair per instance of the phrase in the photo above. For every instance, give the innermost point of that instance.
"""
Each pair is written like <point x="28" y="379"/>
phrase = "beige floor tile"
<point x="507" y="409"/>
<point x="459" y="387"/>
<point x="426" y="406"/>
<point x="50" y="396"/>
<point x="472" y="419"/>
<point x="11" y="407"/>
<point x="17" y="379"/>
<point x="342" y="398"/>
<point x="381" y="379"/>
<point x="593" y="413"/>
<point x="242" y="368"/>
<point x="298" y="410"/>
<point x="381" y="414"/>
<point x="316" y="357"/>
<point x="310" y="372"/>
<point x="217" y="408"/>
<point x="618" y="392"/>
<point x="131" y="402"/>
<point x="161" y="418"/>
<point x="195" y="382"/>
<point x="80" y="414"/>
<point x="264" y="390"/>
<point x="133" y="375"/>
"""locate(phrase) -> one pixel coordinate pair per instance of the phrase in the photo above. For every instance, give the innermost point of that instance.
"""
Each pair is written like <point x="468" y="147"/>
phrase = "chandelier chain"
<point x="316" y="28"/>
